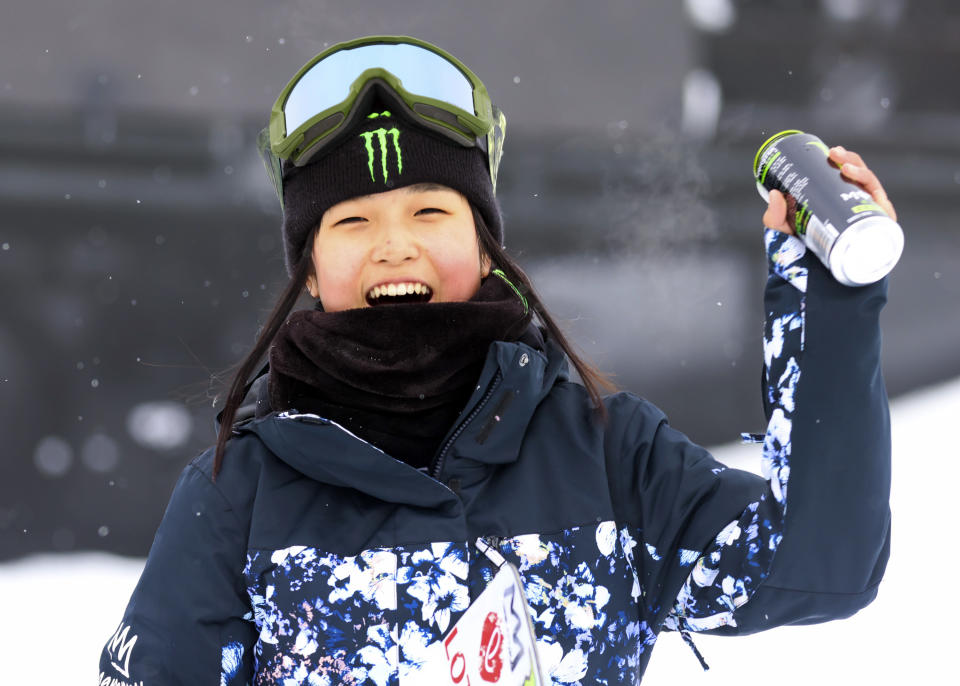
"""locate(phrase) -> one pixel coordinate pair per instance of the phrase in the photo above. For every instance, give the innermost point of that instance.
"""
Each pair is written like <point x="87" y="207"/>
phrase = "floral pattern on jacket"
<point x="368" y="619"/>
<point x="729" y="571"/>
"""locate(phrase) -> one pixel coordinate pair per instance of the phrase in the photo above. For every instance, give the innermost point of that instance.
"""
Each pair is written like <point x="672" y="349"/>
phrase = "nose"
<point x="395" y="244"/>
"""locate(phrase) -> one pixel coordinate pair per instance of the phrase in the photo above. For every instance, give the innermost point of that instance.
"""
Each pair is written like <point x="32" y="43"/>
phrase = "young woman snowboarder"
<point x="418" y="430"/>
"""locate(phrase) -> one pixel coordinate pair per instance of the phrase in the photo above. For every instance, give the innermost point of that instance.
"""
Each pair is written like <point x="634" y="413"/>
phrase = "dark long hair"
<point x="593" y="380"/>
<point x="277" y="318"/>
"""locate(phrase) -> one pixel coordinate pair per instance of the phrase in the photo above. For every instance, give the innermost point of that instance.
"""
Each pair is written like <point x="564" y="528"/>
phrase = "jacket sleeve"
<point x="729" y="552"/>
<point x="185" y="623"/>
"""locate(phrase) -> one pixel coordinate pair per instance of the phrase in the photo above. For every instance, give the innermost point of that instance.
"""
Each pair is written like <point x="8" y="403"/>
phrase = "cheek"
<point x="459" y="270"/>
<point x="338" y="273"/>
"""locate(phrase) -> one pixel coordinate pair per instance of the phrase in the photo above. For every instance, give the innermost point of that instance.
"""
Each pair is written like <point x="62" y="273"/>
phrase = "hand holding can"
<point x="833" y="201"/>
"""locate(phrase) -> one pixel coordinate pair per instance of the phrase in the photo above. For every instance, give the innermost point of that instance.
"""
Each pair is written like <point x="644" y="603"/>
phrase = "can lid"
<point x="867" y="251"/>
<point x="762" y="190"/>
<point x="767" y="143"/>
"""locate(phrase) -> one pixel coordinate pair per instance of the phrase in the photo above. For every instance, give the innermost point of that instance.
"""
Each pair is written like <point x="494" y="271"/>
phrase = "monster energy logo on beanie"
<point x="381" y="135"/>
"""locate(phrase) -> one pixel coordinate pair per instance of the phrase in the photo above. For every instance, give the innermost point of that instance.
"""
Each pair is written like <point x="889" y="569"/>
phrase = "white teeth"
<point x="395" y="289"/>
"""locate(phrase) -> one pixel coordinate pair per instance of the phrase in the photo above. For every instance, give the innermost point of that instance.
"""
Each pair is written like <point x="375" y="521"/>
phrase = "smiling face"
<point x="412" y="244"/>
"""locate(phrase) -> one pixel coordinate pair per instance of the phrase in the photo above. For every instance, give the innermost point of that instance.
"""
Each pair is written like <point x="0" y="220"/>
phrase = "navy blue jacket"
<point x="315" y="558"/>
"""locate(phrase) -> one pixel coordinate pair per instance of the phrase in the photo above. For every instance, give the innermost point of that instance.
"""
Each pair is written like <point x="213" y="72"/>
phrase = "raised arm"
<point x="819" y="553"/>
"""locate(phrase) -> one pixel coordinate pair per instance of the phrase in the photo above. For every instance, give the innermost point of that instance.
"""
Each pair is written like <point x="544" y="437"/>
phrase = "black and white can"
<point x="840" y="222"/>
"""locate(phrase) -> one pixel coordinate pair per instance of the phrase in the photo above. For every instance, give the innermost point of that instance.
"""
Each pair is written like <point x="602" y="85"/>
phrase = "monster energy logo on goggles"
<point x="430" y="86"/>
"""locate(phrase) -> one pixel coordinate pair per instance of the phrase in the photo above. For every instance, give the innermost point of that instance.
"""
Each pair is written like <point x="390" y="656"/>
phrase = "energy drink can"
<point x="837" y="220"/>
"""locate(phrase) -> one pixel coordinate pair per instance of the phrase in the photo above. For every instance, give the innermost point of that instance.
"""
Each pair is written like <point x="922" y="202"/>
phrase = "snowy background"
<point x="59" y="610"/>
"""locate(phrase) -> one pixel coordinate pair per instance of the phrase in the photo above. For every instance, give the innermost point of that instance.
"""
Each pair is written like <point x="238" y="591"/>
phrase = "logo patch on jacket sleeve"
<point x="119" y="648"/>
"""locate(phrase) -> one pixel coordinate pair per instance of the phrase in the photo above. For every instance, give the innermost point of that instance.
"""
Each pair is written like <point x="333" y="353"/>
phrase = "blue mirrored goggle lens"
<point x="422" y="72"/>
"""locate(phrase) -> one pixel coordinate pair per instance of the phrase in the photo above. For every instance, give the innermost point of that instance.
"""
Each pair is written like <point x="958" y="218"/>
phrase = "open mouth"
<point x="399" y="293"/>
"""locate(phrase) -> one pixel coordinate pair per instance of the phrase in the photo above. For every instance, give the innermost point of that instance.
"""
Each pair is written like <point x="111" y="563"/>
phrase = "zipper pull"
<point x="489" y="546"/>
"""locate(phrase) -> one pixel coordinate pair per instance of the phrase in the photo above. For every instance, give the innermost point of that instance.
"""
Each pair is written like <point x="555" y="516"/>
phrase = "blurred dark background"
<point x="139" y="237"/>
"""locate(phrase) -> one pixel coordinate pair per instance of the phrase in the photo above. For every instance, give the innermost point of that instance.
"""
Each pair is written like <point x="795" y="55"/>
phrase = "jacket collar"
<point x="515" y="379"/>
<point x="328" y="453"/>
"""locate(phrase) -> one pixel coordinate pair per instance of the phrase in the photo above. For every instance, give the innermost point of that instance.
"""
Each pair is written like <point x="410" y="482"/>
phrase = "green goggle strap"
<point x="271" y="163"/>
<point x="495" y="145"/>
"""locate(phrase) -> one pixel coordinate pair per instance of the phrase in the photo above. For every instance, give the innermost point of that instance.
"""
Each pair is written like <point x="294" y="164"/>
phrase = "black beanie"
<point x="383" y="152"/>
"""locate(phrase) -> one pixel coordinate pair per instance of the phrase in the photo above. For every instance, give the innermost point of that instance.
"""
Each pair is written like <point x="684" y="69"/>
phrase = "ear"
<point x="312" y="286"/>
<point x="485" y="264"/>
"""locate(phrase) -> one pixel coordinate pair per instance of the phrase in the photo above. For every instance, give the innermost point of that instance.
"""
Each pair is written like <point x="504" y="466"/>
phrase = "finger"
<point x="853" y="167"/>
<point x="869" y="182"/>
<point x="776" y="215"/>
<point x="841" y="155"/>
<point x="862" y="176"/>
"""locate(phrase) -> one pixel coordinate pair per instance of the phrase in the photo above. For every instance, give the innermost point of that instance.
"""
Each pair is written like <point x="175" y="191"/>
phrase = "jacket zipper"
<point x="441" y="456"/>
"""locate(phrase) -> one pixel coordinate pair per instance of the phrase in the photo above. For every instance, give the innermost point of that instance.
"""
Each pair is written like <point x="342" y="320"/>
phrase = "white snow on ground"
<point x="58" y="610"/>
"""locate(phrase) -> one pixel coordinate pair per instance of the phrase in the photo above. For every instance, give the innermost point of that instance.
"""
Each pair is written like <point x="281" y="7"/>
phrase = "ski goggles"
<point x="326" y="97"/>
